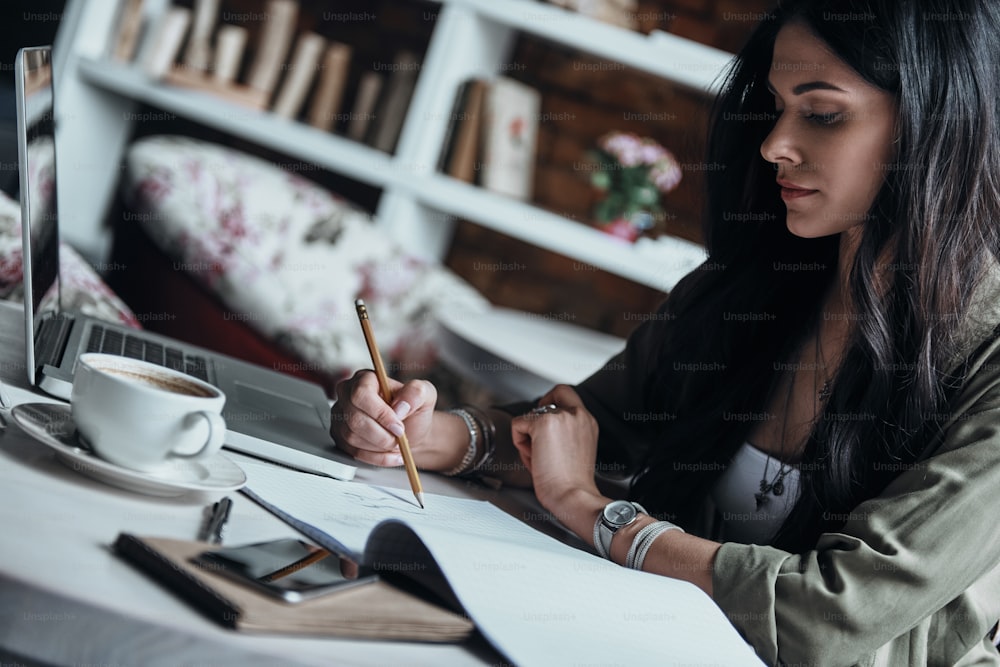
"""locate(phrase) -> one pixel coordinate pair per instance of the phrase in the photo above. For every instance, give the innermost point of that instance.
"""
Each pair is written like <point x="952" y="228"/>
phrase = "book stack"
<point x="216" y="70"/>
<point x="493" y="135"/>
<point x="267" y="63"/>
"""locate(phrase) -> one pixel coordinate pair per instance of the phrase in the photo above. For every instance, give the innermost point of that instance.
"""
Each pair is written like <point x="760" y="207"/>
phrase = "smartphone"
<point x="289" y="569"/>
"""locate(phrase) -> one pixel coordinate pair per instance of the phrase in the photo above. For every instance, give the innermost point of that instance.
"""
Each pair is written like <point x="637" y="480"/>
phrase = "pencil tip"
<point x="420" y="499"/>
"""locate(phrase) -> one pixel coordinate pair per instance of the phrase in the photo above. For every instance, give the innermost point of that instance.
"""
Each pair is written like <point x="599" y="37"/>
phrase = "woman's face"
<point x="833" y="139"/>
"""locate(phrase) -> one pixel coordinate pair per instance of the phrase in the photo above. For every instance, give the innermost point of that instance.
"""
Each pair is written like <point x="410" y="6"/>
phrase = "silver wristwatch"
<point x="616" y="515"/>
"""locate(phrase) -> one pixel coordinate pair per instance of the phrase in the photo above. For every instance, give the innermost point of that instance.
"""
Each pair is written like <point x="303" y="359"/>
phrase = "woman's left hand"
<point x="558" y="447"/>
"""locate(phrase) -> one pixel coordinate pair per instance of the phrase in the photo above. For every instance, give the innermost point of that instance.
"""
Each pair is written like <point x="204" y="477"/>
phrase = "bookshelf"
<point x="417" y="205"/>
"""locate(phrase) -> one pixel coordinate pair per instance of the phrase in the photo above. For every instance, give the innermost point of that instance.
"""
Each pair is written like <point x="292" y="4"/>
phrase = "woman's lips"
<point x="792" y="191"/>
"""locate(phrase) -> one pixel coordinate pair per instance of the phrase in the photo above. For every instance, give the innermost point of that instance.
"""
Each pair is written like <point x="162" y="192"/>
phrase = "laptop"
<point x="260" y="402"/>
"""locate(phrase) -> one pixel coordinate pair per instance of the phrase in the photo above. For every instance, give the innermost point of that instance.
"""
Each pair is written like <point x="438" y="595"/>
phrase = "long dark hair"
<point x="928" y="237"/>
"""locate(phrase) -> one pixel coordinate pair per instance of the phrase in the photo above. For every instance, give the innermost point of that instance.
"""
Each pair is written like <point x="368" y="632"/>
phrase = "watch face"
<point x="619" y="513"/>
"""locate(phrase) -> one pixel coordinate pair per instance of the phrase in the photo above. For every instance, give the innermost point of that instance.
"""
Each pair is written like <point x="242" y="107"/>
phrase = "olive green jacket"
<point x="913" y="575"/>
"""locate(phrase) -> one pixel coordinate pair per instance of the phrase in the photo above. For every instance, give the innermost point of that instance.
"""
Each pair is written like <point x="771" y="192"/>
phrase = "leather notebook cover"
<point x="373" y="611"/>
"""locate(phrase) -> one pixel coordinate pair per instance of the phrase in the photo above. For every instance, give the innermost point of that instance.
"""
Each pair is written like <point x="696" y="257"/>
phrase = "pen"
<point x="216" y="522"/>
<point x="383" y="383"/>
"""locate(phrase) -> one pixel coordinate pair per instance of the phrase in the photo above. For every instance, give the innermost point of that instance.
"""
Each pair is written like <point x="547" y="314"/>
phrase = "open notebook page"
<point x="538" y="601"/>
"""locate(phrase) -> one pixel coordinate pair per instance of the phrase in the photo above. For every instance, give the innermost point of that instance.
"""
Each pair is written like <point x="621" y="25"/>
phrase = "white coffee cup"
<point x="141" y="416"/>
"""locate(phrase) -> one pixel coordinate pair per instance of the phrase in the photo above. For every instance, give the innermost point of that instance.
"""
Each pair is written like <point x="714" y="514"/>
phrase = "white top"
<point x="737" y="518"/>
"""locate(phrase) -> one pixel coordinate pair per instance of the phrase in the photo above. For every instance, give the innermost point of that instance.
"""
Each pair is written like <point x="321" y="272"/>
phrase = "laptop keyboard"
<point x="111" y="341"/>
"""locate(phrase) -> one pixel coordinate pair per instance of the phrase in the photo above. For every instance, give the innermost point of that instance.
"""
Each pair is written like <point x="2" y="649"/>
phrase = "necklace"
<point x="776" y="487"/>
<point x="824" y="391"/>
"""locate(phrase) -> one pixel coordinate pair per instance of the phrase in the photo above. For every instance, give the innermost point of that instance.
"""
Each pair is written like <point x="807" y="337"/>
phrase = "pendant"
<point x="778" y="487"/>
<point x="761" y="500"/>
<point x="824" y="392"/>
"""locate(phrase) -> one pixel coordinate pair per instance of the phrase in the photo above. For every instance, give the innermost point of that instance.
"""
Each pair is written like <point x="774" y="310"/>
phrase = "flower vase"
<point x="629" y="228"/>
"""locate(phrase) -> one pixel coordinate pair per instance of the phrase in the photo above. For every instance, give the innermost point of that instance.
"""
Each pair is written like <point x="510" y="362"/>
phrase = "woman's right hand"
<point x="365" y="426"/>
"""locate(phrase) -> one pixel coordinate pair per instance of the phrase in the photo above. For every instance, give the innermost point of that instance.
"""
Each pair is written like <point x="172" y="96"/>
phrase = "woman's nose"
<point x="780" y="145"/>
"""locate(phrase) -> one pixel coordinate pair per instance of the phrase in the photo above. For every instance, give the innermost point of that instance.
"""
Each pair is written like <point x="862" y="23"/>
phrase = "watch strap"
<point x="598" y="543"/>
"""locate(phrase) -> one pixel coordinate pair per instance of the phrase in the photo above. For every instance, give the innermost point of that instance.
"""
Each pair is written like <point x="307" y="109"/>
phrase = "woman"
<point x="817" y="409"/>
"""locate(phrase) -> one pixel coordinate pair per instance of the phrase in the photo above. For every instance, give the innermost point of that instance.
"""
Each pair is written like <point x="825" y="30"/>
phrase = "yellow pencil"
<point x="383" y="383"/>
<point x="307" y="560"/>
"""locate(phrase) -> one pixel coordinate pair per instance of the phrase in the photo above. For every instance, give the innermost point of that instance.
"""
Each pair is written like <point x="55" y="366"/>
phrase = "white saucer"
<point x="52" y="425"/>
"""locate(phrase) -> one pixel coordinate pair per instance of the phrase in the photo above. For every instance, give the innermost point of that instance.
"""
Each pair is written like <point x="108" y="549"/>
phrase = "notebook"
<point x="378" y="610"/>
<point x="260" y="402"/>
<point x="535" y="599"/>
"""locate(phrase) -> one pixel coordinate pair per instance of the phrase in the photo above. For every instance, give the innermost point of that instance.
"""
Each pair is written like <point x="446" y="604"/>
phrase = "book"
<point x="454" y="117"/>
<point x="377" y="610"/>
<point x="466" y="147"/>
<point x="246" y="96"/>
<point x="198" y="52"/>
<point x="167" y="41"/>
<point x="127" y="30"/>
<point x="536" y="599"/>
<point x="394" y="101"/>
<point x="364" y="105"/>
<point x="230" y="42"/>
<point x="299" y="75"/>
<point x="330" y="89"/>
<point x="509" y="135"/>
<point x="273" y="43"/>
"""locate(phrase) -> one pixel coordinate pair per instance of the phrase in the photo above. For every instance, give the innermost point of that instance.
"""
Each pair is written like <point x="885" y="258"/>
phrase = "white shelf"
<point x="665" y="55"/>
<point x="418" y="205"/>
<point x="574" y="239"/>
<point x="514" y="218"/>
<point x="327" y="150"/>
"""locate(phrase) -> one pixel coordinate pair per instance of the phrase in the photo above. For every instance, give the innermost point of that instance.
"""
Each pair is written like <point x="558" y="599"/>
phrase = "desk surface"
<point x="66" y="599"/>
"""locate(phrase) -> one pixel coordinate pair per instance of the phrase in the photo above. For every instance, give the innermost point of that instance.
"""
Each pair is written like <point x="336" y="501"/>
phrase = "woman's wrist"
<point x="577" y="509"/>
<point x="446" y="445"/>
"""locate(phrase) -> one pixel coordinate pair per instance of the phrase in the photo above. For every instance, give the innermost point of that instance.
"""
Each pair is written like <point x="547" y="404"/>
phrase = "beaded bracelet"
<point x="470" y="453"/>
<point x="489" y="431"/>
<point x="643" y="541"/>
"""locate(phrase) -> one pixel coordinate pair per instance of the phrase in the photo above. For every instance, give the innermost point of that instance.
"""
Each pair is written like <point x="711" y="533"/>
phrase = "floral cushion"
<point x="82" y="288"/>
<point x="286" y="256"/>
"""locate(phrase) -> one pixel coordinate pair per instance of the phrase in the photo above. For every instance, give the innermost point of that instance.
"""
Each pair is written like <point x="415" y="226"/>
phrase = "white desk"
<point x="66" y="599"/>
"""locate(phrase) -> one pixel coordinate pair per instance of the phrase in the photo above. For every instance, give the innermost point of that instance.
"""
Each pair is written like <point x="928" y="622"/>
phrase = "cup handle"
<point x="216" y="434"/>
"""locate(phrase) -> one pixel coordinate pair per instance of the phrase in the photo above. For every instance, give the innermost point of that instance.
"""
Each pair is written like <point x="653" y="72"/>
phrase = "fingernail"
<point x="394" y="460"/>
<point x="402" y="409"/>
<point x="396" y="429"/>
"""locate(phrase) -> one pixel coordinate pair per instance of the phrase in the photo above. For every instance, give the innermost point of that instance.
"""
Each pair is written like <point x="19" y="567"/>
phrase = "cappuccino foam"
<point x="163" y="382"/>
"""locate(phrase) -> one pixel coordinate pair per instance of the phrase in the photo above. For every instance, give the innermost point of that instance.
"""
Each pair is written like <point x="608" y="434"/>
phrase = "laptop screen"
<point x="37" y="169"/>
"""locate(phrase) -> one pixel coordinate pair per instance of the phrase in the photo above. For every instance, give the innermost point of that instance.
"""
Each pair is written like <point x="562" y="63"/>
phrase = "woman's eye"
<point x="823" y="118"/>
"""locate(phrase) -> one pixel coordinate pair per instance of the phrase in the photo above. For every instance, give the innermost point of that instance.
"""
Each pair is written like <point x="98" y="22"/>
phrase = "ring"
<point x="542" y="409"/>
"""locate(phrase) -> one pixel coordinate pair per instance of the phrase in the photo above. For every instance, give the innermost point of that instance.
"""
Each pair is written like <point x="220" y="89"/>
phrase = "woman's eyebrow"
<point x="807" y="87"/>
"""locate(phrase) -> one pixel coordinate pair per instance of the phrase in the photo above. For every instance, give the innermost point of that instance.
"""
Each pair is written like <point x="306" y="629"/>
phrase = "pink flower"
<point x="652" y="152"/>
<point x="626" y="148"/>
<point x="666" y="175"/>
